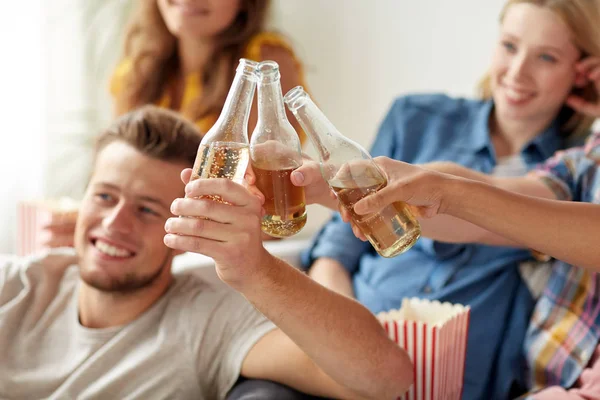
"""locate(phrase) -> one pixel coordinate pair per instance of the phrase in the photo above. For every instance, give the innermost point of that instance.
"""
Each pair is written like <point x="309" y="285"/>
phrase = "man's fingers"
<point x="308" y="173"/>
<point x="250" y="184"/>
<point x="186" y="175"/>
<point x="204" y="208"/>
<point x="226" y="189"/>
<point x="257" y="193"/>
<point x="210" y="248"/>
<point x="199" y="227"/>
<point x="250" y="176"/>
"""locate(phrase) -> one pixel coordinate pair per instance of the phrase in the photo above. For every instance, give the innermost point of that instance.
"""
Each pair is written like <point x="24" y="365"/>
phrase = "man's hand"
<point x="316" y="189"/>
<point x="228" y="233"/>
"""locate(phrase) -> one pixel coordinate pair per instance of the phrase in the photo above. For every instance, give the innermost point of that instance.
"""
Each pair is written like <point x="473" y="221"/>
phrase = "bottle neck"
<point x="341" y="159"/>
<point x="270" y="101"/>
<point x="232" y="124"/>
<point x="316" y="125"/>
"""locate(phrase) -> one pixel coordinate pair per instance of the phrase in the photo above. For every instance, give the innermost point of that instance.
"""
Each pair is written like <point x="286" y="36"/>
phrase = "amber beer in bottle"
<point x="352" y="175"/>
<point x="223" y="152"/>
<point x="275" y="152"/>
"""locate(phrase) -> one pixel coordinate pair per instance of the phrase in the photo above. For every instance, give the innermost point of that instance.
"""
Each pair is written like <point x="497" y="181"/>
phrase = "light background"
<point x="358" y="55"/>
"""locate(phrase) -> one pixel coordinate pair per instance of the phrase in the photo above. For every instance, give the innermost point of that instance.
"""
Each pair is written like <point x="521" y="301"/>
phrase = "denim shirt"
<point x="420" y="129"/>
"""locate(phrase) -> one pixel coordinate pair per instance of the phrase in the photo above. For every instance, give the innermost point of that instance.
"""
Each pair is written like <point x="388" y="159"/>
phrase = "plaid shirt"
<point x="565" y="327"/>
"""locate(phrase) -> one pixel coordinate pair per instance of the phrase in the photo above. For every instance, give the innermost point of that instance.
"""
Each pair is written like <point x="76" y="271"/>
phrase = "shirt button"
<point x="427" y="289"/>
<point x="585" y="355"/>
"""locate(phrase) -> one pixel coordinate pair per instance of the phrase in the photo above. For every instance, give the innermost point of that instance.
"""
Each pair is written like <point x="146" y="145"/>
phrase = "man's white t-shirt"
<point x="189" y="345"/>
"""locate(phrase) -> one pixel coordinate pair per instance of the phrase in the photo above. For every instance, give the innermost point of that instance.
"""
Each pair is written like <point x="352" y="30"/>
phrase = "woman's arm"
<point x="450" y="229"/>
<point x="564" y="230"/>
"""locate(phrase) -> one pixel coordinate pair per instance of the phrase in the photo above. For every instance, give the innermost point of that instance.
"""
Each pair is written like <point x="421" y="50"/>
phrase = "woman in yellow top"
<point x="182" y="54"/>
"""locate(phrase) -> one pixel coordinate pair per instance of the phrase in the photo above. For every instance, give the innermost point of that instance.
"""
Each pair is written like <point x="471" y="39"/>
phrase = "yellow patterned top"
<point x="193" y="83"/>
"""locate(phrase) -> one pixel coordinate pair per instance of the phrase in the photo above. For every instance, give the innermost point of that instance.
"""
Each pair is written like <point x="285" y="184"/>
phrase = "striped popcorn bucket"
<point x="434" y="335"/>
<point x="33" y="216"/>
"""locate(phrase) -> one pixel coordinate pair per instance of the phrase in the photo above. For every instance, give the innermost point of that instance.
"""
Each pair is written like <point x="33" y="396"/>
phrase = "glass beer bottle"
<point x="352" y="175"/>
<point x="223" y="152"/>
<point x="275" y="152"/>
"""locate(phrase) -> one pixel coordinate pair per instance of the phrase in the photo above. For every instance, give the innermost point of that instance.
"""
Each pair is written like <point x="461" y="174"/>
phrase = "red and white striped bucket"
<point x="33" y="216"/>
<point x="434" y="335"/>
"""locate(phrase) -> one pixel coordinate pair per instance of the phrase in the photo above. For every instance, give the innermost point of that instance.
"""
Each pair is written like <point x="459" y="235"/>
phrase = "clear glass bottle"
<point x="223" y="152"/>
<point x="275" y="151"/>
<point x="352" y="175"/>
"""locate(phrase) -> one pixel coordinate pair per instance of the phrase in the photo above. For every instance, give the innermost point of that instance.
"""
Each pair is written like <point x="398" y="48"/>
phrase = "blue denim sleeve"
<point x="391" y="131"/>
<point x="336" y="240"/>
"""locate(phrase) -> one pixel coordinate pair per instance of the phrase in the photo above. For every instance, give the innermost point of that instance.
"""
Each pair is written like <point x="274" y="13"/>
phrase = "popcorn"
<point x="33" y="216"/>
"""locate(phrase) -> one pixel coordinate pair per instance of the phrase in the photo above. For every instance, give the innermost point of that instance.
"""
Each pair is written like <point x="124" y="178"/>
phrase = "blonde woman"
<point x="536" y="96"/>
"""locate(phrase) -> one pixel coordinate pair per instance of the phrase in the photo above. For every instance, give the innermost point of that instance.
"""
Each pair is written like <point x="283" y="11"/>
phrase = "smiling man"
<point x="113" y="321"/>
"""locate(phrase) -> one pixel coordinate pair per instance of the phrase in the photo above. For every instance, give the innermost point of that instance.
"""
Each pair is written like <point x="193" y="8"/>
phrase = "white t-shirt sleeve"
<point x="10" y="281"/>
<point x="232" y="329"/>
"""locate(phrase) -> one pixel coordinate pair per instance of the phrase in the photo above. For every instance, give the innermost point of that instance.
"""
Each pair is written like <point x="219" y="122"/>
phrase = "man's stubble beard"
<point x="130" y="283"/>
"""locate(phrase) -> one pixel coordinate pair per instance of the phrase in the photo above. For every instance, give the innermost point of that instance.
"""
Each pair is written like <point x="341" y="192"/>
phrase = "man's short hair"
<point x="155" y="132"/>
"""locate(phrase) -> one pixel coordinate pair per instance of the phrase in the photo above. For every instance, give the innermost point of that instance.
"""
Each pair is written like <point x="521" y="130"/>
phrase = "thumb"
<point x="378" y="200"/>
<point x="308" y="173"/>
<point x="250" y="176"/>
<point x="186" y="175"/>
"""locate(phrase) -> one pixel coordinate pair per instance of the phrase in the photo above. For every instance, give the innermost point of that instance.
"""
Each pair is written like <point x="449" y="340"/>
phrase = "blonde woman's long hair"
<point x="583" y="19"/>
<point x="152" y="50"/>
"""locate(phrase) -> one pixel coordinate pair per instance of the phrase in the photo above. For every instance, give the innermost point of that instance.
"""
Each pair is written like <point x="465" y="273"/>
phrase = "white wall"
<point x="21" y="110"/>
<point x="55" y="58"/>
<point x="84" y="41"/>
<point x="359" y="55"/>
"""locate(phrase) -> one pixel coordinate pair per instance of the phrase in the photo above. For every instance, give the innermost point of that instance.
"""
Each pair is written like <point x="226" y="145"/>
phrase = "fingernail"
<point x="168" y="225"/>
<point x="168" y="239"/>
<point x="298" y="176"/>
<point x="174" y="206"/>
<point x="359" y="208"/>
<point x="188" y="189"/>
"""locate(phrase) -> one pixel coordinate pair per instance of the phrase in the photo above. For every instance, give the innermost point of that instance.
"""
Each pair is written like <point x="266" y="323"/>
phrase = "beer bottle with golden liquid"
<point x="352" y="175"/>
<point x="223" y="151"/>
<point x="275" y="152"/>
